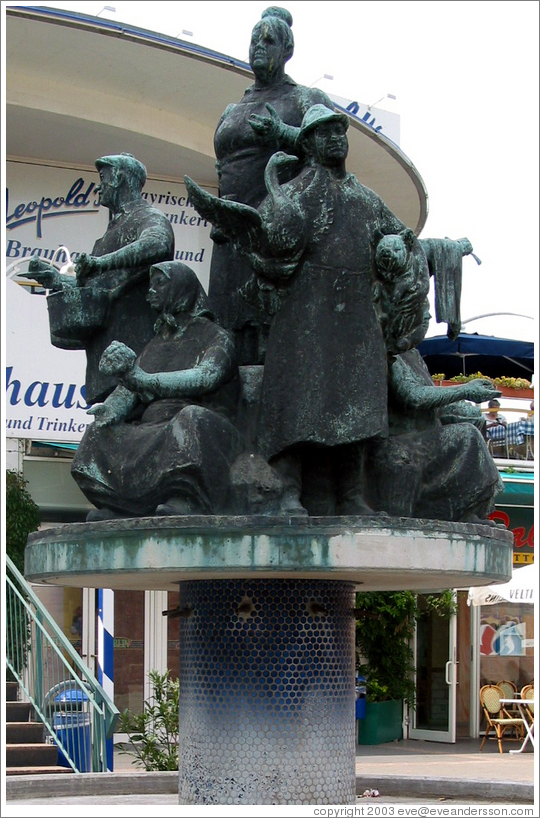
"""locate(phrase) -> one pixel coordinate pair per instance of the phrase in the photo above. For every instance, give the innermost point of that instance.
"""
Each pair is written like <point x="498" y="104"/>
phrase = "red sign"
<point x="521" y="529"/>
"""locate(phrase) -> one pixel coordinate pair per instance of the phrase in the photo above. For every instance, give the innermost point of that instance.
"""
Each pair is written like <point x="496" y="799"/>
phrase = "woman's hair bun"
<point x="277" y="11"/>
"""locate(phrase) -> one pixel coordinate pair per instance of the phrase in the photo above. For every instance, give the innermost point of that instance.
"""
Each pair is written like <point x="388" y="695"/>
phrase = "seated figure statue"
<point x="163" y="441"/>
<point x="435" y="463"/>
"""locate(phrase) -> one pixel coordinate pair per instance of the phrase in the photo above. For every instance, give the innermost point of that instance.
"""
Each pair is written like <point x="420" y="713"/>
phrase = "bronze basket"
<point x="77" y="313"/>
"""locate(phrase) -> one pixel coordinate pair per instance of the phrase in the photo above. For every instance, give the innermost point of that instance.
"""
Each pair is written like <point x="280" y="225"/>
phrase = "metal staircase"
<point x="26" y="749"/>
<point x="58" y="717"/>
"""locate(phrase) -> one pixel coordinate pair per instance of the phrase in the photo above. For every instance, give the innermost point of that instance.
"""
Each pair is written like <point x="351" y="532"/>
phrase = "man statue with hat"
<point x="115" y="274"/>
<point x="324" y="392"/>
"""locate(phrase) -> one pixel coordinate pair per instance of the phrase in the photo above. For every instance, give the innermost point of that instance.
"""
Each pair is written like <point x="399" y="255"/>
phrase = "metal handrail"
<point x="75" y="710"/>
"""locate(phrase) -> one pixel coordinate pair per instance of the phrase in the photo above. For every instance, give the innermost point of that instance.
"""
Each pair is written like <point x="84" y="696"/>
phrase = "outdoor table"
<point x="514" y="433"/>
<point x="522" y="705"/>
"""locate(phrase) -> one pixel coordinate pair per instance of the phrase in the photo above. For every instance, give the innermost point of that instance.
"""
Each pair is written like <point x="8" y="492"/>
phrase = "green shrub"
<point x="384" y="630"/>
<point x="153" y="734"/>
<point x="22" y="517"/>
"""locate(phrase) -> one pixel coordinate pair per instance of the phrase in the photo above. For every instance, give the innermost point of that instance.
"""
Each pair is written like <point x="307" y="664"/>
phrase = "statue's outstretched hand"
<point x="138" y="381"/>
<point x="267" y="127"/>
<point x="104" y="414"/>
<point x="480" y="390"/>
<point x="43" y="273"/>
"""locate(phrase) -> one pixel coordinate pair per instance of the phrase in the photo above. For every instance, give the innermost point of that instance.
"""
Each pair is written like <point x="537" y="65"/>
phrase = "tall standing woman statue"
<point x="248" y="133"/>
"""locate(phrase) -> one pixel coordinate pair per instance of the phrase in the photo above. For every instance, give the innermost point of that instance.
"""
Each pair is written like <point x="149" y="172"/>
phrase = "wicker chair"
<point x="529" y="447"/>
<point x="510" y="691"/>
<point x="497" y="718"/>
<point x="508" y="688"/>
<point x="527" y="692"/>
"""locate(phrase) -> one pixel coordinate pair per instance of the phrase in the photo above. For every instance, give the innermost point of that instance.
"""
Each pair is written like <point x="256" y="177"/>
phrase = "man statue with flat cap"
<point x="117" y="272"/>
<point x="324" y="390"/>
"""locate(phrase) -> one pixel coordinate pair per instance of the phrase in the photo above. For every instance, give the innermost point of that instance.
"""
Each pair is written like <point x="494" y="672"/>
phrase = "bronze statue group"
<point x="294" y="388"/>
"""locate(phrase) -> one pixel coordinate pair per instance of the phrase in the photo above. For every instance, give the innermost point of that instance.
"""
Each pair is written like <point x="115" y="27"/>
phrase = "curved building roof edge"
<point x="111" y="27"/>
<point x="134" y="33"/>
<point x="391" y="147"/>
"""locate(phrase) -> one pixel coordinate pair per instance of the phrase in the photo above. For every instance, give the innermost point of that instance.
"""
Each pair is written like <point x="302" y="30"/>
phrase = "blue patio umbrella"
<point x="470" y="353"/>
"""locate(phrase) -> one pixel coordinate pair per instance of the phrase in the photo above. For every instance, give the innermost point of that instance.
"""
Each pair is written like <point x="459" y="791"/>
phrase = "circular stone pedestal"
<point x="377" y="554"/>
<point x="267" y="630"/>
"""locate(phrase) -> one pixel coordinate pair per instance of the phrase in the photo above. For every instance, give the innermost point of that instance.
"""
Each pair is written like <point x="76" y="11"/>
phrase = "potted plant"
<point x="153" y="734"/>
<point x="384" y="628"/>
<point x="384" y="631"/>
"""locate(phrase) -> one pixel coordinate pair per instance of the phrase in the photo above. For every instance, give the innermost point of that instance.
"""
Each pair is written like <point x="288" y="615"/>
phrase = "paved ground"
<point x="171" y="799"/>
<point x="462" y="759"/>
<point x="434" y="759"/>
<point x="414" y="773"/>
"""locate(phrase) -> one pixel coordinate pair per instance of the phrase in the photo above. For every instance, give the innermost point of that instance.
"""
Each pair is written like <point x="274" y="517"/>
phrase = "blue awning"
<point x="55" y="444"/>
<point x="518" y="490"/>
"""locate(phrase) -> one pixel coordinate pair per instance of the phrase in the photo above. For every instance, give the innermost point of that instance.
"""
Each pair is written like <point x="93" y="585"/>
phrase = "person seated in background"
<point x="493" y="418"/>
<point x="529" y="415"/>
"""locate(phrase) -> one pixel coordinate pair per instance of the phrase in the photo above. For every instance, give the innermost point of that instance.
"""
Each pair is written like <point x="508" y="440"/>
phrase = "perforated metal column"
<point x="267" y="692"/>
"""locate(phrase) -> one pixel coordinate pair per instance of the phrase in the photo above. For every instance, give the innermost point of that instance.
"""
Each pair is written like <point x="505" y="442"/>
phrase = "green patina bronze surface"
<point x="349" y="285"/>
<point x="111" y="284"/>
<point x="312" y="273"/>
<point x="164" y="441"/>
<point x="267" y="119"/>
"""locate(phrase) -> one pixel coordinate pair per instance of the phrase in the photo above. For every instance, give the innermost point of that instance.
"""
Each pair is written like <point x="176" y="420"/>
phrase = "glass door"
<point x="435" y="657"/>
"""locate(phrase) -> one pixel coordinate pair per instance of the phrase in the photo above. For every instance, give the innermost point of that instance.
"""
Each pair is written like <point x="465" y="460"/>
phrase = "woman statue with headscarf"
<point x="163" y="441"/>
<point x="266" y="119"/>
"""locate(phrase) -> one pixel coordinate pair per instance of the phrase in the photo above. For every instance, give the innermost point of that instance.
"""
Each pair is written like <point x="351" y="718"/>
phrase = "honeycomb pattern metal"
<point x="267" y="692"/>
